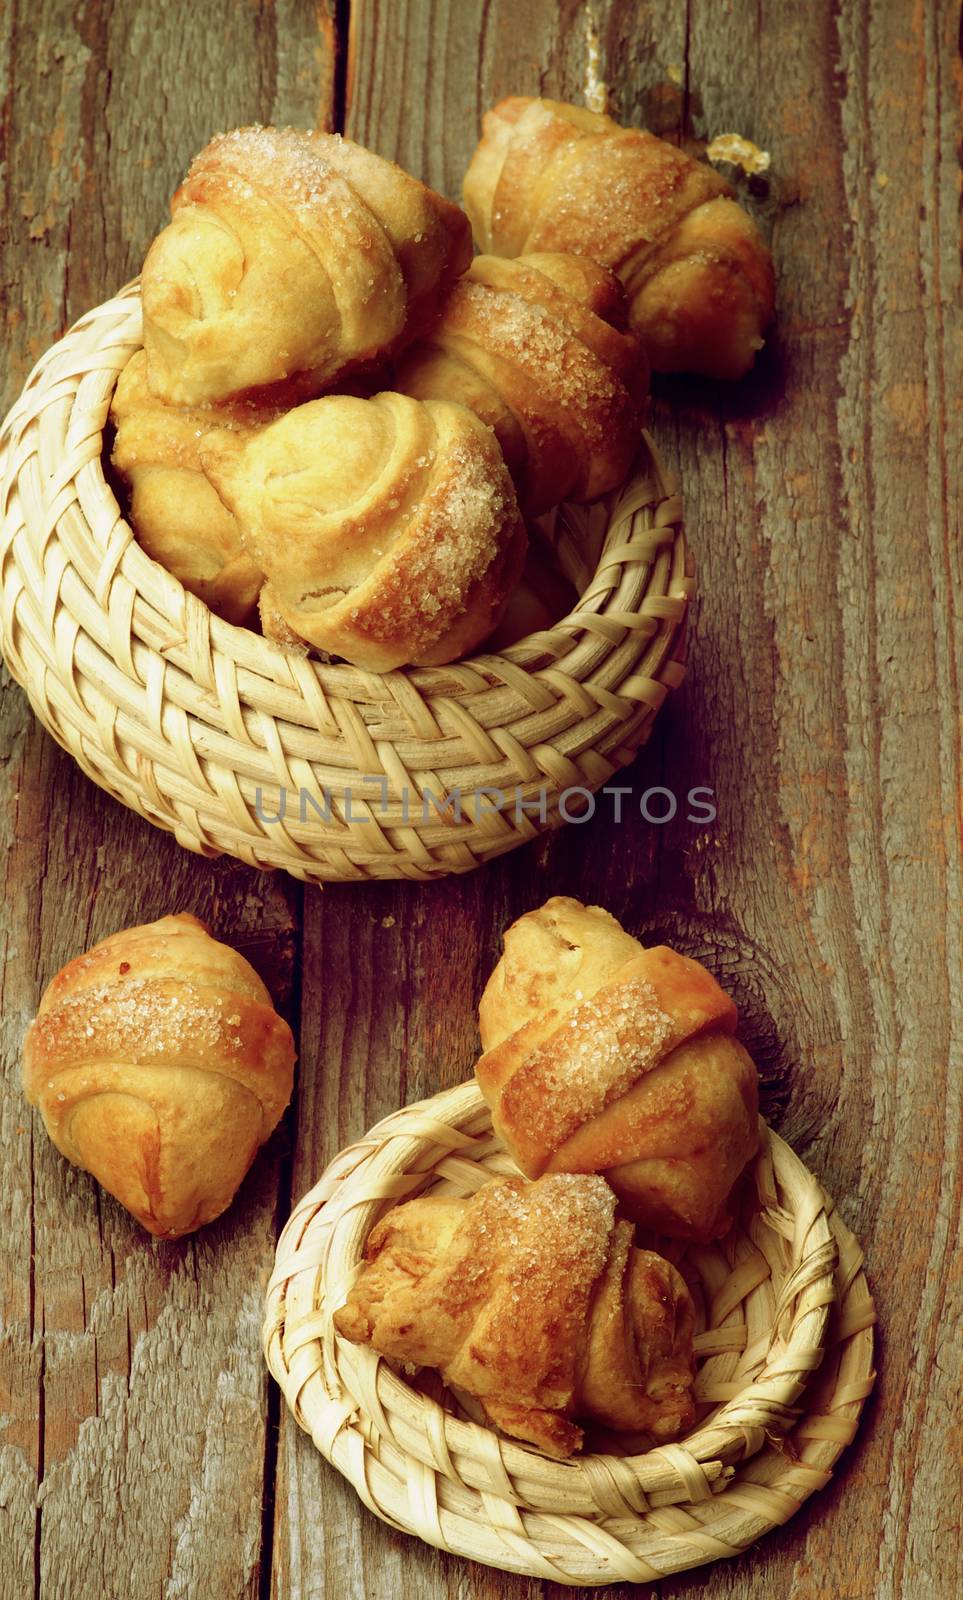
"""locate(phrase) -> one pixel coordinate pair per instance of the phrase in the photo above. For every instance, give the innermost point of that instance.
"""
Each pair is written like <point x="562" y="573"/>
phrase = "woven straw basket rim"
<point x="783" y="1289"/>
<point x="202" y="726"/>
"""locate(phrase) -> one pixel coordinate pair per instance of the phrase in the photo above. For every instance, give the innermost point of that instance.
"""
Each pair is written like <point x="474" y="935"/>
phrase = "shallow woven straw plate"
<point x="202" y="727"/>
<point x="782" y="1295"/>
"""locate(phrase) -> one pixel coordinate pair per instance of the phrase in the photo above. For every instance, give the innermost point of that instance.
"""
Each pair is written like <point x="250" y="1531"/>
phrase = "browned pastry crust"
<point x="291" y="252"/>
<point x="159" y="1064"/>
<point x="273" y="625"/>
<point x="532" y="1298"/>
<point x="552" y="176"/>
<point x="175" y="513"/>
<point x="535" y="348"/>
<point x="388" y="529"/>
<point x="602" y="1056"/>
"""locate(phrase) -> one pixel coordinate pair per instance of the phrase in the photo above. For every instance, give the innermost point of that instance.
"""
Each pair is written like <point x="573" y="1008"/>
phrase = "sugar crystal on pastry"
<point x="159" y="1064"/>
<point x="532" y="1298"/>
<point x="535" y="347"/>
<point x="552" y="176"/>
<point x="387" y="528"/>
<point x="291" y="253"/>
<point x="603" y="1056"/>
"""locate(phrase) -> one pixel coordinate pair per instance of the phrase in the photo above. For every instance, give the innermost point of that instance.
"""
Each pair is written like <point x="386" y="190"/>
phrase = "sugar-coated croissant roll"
<point x="159" y="1064"/>
<point x="531" y="1297"/>
<point x="551" y="176"/>
<point x="291" y="252"/>
<point x="388" y="529"/>
<point x="176" y="514"/>
<point x="536" y="348"/>
<point x="602" y="1056"/>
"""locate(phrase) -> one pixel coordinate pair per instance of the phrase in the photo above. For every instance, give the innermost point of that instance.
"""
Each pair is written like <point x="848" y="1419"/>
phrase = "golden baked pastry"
<point x="536" y="348"/>
<point x="602" y="1056"/>
<point x="176" y="514"/>
<point x="388" y="529"/>
<point x="551" y="176"/>
<point x="273" y="625"/>
<point x="291" y="252"/>
<point x="159" y="1064"/>
<point x="531" y="1297"/>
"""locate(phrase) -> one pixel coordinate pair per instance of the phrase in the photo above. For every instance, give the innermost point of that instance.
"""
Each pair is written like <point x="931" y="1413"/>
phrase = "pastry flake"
<point x="532" y="1298"/>
<point x="603" y="1056"/>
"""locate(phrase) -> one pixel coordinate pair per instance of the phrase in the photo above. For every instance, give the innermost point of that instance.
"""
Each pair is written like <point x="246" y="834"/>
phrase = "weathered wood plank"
<point x="822" y="708"/>
<point x="823" y="500"/>
<point x="131" y="1383"/>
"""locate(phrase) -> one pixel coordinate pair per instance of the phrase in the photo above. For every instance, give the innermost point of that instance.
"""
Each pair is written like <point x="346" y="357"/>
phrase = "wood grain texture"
<point x="134" y="1412"/>
<point x="822" y="708"/>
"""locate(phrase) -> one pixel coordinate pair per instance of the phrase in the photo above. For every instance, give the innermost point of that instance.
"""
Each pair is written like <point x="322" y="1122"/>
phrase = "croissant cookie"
<point x="603" y="1056"/>
<point x="159" y="1064"/>
<point x="388" y="529"/>
<point x="176" y="514"/>
<point x="551" y="176"/>
<point x="537" y="348"/>
<point x="291" y="252"/>
<point x="532" y="1298"/>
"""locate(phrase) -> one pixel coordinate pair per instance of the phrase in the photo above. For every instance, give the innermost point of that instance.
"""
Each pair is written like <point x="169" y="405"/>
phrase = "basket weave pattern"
<point x="780" y="1297"/>
<point x="233" y="744"/>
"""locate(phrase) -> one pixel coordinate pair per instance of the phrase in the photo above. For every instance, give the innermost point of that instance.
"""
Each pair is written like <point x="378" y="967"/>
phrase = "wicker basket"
<point x="233" y="744"/>
<point x="784" y="1284"/>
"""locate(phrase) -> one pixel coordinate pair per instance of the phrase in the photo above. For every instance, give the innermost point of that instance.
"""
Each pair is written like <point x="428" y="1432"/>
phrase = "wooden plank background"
<point x="142" y="1452"/>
